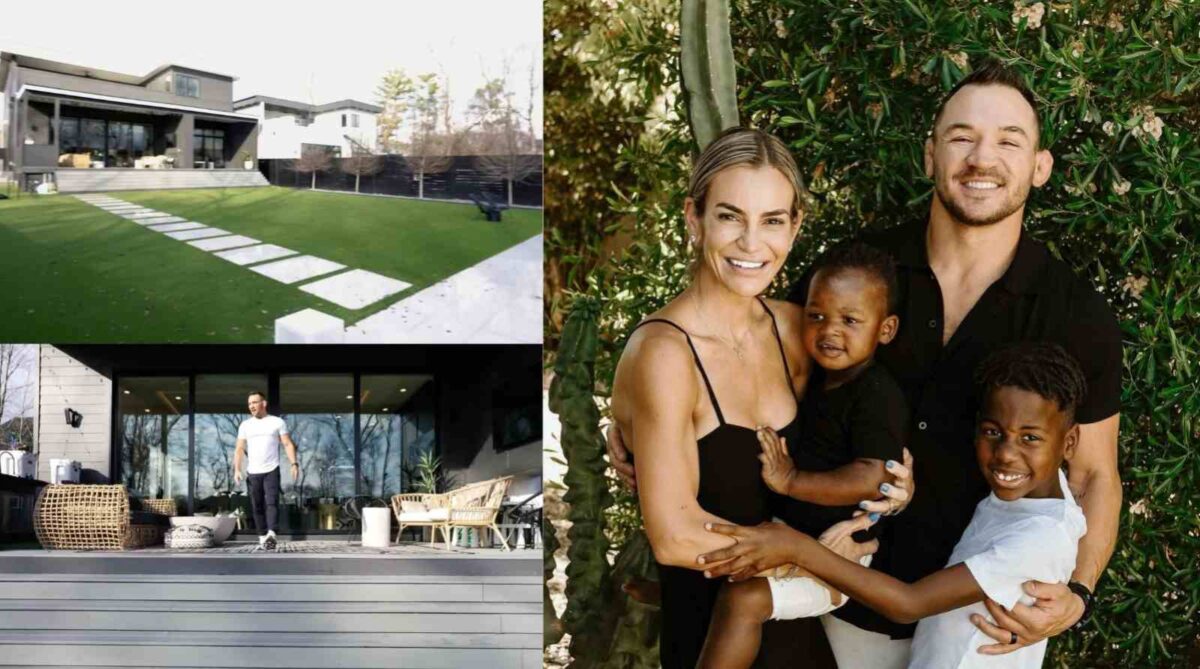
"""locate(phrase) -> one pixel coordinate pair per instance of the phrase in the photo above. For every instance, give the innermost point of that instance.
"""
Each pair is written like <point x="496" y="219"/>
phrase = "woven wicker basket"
<point x="94" y="517"/>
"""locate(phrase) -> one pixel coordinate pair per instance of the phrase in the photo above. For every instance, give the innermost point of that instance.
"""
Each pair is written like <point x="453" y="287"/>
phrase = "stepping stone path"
<point x="353" y="289"/>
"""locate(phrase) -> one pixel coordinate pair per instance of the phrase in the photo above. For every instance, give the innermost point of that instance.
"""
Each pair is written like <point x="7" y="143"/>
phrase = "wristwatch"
<point x="1087" y="597"/>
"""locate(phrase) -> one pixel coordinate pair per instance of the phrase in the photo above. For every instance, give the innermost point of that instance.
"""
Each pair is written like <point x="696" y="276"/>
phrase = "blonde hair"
<point x="750" y="147"/>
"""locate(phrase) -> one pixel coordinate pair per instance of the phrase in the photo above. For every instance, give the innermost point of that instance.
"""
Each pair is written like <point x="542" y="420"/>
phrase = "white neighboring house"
<point x="287" y="126"/>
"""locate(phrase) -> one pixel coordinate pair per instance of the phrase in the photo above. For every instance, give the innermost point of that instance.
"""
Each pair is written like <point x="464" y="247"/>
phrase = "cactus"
<point x="589" y="582"/>
<point x="634" y="642"/>
<point x="552" y="630"/>
<point x="706" y="63"/>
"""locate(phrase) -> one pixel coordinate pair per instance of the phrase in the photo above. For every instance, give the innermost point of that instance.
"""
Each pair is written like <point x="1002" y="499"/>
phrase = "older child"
<point x="1027" y="529"/>
<point x="853" y="419"/>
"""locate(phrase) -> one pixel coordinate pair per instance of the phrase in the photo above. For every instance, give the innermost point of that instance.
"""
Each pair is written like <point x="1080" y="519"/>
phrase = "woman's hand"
<point x="898" y="493"/>
<point x="838" y="538"/>
<point x="618" y="457"/>
<point x="777" y="466"/>
<point x="759" y="548"/>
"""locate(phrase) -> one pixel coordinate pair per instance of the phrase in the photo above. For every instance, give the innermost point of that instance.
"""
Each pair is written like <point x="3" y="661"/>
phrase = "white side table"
<point x="377" y="527"/>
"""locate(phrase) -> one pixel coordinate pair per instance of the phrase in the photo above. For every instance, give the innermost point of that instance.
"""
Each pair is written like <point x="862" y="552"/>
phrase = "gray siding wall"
<point x="215" y="92"/>
<point x="211" y="90"/>
<point x="64" y="382"/>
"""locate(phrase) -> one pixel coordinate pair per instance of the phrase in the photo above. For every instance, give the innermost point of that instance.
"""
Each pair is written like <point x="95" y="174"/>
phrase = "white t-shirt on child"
<point x="262" y="442"/>
<point x="1006" y="544"/>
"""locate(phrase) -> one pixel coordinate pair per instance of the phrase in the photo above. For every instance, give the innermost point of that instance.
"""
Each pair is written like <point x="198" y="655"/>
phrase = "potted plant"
<point x="376" y="524"/>
<point x="247" y="160"/>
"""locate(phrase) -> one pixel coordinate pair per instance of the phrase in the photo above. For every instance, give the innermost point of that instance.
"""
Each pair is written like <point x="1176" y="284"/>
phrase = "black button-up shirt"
<point x="1038" y="298"/>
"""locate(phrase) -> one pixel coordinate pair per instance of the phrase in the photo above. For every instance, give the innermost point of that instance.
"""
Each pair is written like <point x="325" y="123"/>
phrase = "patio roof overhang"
<point x="130" y="102"/>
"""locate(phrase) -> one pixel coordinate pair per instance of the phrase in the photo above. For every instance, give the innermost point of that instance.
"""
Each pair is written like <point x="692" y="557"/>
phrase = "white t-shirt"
<point x="262" y="442"/>
<point x="1006" y="544"/>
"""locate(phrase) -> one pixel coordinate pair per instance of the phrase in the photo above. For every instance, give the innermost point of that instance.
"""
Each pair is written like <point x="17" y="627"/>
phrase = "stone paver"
<point x="296" y="269"/>
<point x="160" y="219"/>
<point x="496" y="301"/>
<point x="355" y="289"/>
<point x="137" y="216"/>
<point x="176" y="227"/>
<point x="253" y="254"/>
<point x="199" y="233"/>
<point x="221" y="243"/>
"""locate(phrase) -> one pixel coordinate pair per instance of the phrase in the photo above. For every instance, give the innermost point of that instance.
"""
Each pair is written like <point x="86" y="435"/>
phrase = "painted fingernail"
<point x="884" y="488"/>
<point x="708" y="526"/>
<point x="862" y="505"/>
<point x="707" y="574"/>
<point x="700" y="559"/>
<point x="890" y="464"/>
<point x="874" y="516"/>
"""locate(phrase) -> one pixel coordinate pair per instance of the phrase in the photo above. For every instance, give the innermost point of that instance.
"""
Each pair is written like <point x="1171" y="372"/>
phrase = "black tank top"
<point x="731" y="487"/>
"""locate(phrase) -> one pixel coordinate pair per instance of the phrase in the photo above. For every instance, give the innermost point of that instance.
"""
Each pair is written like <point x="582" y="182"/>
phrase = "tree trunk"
<point x="356" y="178"/>
<point x="510" y="190"/>
<point x="421" y="185"/>
<point x="314" y="181"/>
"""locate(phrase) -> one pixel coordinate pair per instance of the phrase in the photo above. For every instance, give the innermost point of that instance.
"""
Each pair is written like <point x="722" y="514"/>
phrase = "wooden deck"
<point x="477" y="608"/>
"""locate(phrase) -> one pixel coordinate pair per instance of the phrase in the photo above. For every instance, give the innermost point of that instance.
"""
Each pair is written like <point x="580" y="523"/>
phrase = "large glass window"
<point x="154" y="436"/>
<point x="220" y="409"/>
<point x="89" y="142"/>
<point x="209" y="147"/>
<point x="396" y="429"/>
<point x="319" y="412"/>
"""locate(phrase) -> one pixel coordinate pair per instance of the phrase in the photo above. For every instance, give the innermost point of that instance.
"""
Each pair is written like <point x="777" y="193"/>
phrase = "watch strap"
<point x="1087" y="597"/>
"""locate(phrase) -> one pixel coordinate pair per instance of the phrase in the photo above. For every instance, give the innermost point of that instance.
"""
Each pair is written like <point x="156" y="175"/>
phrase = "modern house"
<point x="87" y="129"/>
<point x="289" y="128"/>
<point x="163" y="419"/>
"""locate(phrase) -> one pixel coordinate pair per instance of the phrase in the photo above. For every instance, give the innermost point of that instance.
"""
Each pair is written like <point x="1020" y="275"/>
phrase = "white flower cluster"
<point x="1033" y="13"/>
<point x="1151" y="124"/>
<point x="1121" y="186"/>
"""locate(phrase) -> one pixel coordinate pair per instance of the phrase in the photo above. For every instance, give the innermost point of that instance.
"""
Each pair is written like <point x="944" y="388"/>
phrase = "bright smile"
<point x="980" y="185"/>
<point x="746" y="264"/>
<point x="1008" y="479"/>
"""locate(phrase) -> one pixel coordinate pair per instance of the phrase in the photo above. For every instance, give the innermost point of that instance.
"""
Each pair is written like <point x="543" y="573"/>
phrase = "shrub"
<point x="852" y="88"/>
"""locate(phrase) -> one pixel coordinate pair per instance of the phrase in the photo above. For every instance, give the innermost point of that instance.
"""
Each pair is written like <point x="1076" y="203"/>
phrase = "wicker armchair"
<point x="472" y="505"/>
<point x="97" y="517"/>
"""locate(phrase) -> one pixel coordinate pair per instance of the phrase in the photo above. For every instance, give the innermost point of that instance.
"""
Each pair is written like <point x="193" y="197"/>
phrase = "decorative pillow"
<point x="408" y="506"/>
<point x="189" y="536"/>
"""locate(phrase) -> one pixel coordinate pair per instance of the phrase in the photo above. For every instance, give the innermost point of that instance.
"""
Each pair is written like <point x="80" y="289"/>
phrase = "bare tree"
<point x="360" y="162"/>
<point x="506" y="151"/>
<point x="427" y="148"/>
<point x="17" y="366"/>
<point x="313" y="161"/>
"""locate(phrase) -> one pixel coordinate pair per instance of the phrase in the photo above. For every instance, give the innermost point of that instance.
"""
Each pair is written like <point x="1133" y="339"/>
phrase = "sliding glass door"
<point x="154" y="430"/>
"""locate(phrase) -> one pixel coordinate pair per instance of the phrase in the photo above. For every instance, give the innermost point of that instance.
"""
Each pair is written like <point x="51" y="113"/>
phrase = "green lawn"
<point x="75" y="273"/>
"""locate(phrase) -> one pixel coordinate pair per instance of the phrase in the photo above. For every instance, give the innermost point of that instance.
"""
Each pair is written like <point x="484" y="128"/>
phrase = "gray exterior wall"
<point x="215" y="92"/>
<point x="64" y="382"/>
<point x="210" y="89"/>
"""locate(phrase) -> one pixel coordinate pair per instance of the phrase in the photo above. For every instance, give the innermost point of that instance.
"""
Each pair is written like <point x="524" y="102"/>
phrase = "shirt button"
<point x="932" y="323"/>
<point x="922" y="425"/>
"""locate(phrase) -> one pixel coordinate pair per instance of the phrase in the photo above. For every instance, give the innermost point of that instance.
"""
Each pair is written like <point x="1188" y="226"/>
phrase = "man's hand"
<point x="777" y="466"/>
<point x="618" y="457"/>
<point x="1056" y="610"/>
<point x="237" y="477"/>
<point x="898" y="493"/>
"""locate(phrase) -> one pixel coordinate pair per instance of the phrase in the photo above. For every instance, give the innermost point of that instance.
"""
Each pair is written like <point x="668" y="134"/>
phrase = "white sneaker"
<point x="268" y="541"/>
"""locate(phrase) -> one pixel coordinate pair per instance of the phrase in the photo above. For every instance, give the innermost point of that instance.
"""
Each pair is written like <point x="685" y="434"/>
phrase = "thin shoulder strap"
<point x="712" y="396"/>
<point x="775" y="328"/>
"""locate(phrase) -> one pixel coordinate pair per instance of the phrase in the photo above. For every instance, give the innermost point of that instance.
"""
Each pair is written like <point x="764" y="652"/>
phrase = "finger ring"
<point x="1013" y="640"/>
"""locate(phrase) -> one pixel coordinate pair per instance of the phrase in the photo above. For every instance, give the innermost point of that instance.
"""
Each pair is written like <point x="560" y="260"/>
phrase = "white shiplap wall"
<point x="65" y="382"/>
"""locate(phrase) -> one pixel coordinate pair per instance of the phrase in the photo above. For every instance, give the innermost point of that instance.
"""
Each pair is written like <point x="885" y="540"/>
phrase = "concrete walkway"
<point x="498" y="301"/>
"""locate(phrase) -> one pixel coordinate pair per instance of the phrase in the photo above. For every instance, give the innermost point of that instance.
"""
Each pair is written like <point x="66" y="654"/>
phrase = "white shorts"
<point x="803" y="597"/>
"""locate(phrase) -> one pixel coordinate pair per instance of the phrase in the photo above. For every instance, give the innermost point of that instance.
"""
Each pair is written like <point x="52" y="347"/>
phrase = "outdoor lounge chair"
<point x="472" y="505"/>
<point x="489" y="207"/>
<point x="98" y="517"/>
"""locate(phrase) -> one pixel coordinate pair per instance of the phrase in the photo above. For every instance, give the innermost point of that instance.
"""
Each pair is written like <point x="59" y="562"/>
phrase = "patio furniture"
<point x="377" y="527"/>
<point x="473" y="505"/>
<point x="98" y="517"/>
<point x="490" y="208"/>
<point x="189" y="536"/>
<point x="221" y="527"/>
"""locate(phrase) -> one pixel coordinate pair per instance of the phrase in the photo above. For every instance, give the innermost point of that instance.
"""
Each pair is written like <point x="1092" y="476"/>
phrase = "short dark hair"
<point x="1039" y="367"/>
<point x="862" y="256"/>
<point x="259" y="393"/>
<point x="996" y="73"/>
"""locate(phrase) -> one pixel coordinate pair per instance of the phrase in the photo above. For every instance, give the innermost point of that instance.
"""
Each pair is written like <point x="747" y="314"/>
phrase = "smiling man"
<point x="971" y="280"/>
<point x="258" y="440"/>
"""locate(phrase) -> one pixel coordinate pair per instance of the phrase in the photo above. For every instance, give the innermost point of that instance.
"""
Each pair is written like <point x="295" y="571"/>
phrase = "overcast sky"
<point x="311" y="52"/>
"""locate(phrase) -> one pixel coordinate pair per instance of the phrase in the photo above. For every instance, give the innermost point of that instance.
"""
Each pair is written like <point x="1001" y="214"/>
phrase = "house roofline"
<point x="130" y="101"/>
<point x="306" y="107"/>
<point x="48" y="65"/>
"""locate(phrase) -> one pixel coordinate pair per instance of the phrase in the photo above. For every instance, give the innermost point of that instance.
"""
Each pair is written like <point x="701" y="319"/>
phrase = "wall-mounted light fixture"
<point x="74" y="418"/>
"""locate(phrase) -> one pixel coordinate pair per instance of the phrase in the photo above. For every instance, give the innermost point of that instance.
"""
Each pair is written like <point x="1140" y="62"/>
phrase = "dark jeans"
<point x="264" y="496"/>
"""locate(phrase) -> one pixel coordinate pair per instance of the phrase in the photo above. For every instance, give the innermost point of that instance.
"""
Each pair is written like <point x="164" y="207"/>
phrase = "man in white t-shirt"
<point x="258" y="440"/>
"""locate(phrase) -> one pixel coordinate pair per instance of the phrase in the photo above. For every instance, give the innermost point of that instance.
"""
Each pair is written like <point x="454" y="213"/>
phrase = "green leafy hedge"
<point x="852" y="87"/>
